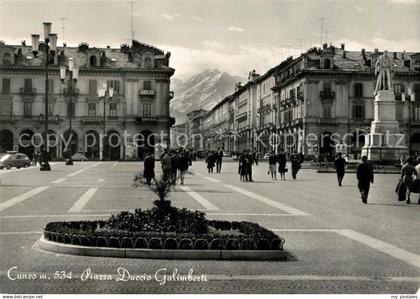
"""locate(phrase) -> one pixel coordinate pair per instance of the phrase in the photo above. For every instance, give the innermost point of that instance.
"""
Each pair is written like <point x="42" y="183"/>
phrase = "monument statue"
<point x="384" y="69"/>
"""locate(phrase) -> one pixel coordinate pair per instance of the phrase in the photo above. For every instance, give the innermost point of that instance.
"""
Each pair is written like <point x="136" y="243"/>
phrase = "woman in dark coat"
<point x="183" y="163"/>
<point x="281" y="159"/>
<point x="149" y="168"/>
<point x="210" y="160"/>
<point x="295" y="165"/>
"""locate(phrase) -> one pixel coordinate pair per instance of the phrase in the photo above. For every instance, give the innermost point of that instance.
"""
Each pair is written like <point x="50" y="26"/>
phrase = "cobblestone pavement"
<point x="336" y="243"/>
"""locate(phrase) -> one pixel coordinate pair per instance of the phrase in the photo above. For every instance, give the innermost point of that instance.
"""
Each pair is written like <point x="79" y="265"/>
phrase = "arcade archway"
<point x="6" y="141"/>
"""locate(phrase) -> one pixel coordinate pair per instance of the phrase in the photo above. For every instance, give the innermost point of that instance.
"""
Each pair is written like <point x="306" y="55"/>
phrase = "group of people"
<point x="172" y="162"/>
<point x="246" y="160"/>
<point x="214" y="158"/>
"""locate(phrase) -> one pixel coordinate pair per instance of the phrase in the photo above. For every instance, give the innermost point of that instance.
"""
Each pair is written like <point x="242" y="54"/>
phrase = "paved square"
<point x="339" y="245"/>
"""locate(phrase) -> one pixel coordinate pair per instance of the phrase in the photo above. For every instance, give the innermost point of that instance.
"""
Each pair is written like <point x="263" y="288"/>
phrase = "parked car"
<point x="79" y="157"/>
<point x="14" y="159"/>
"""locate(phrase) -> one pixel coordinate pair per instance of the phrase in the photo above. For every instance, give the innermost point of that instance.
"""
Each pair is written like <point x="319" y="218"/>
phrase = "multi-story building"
<point x="178" y="136"/>
<point x="317" y="103"/>
<point x="194" y="129"/>
<point x="140" y="77"/>
<point x="325" y="97"/>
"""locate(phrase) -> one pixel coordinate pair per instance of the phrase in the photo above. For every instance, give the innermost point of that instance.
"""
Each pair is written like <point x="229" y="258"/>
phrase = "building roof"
<point x="125" y="57"/>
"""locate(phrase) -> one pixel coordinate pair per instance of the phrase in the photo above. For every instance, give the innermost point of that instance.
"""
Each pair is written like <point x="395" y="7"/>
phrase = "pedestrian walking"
<point x="149" y="168"/>
<point x="183" y="163"/>
<point x="272" y="165"/>
<point x="408" y="172"/>
<point x="35" y="158"/>
<point x="219" y="159"/>
<point x="210" y="159"/>
<point x="166" y="163"/>
<point x="254" y="158"/>
<point x="340" y="168"/>
<point x="251" y="158"/>
<point x="281" y="159"/>
<point x="243" y="166"/>
<point x="365" y="178"/>
<point x="295" y="162"/>
<point x="174" y="166"/>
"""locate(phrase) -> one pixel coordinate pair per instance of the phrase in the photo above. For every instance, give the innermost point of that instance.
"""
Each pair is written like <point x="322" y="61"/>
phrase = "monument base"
<point x="386" y="147"/>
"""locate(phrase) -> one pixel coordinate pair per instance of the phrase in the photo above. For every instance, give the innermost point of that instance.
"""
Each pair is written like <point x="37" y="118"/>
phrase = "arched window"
<point x="92" y="60"/>
<point x="7" y="58"/>
<point x="147" y="62"/>
<point x="327" y="64"/>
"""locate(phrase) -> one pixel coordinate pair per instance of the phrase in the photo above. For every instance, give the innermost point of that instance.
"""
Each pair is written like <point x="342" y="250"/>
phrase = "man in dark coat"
<point x="183" y="163"/>
<point x="340" y="168"/>
<point x="251" y="158"/>
<point x="365" y="178"/>
<point x="219" y="159"/>
<point x="174" y="166"/>
<point x="149" y="168"/>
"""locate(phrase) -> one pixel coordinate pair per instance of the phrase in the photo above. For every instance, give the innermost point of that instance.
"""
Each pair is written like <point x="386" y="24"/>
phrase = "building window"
<point x="71" y="109"/>
<point x="50" y="85"/>
<point x="147" y="110"/>
<point x="358" y="90"/>
<point x="28" y="84"/>
<point x="50" y="109"/>
<point x="6" y="86"/>
<point x="147" y="85"/>
<point x="327" y="64"/>
<point x="116" y="85"/>
<point x="147" y="62"/>
<point x="92" y="87"/>
<point x="27" y="109"/>
<point x="92" y="60"/>
<point x="407" y="63"/>
<point x="326" y="111"/>
<point x="417" y="113"/>
<point x="327" y="86"/>
<point x="112" y="109"/>
<point x="359" y="112"/>
<point x="398" y="90"/>
<point x="7" y="59"/>
<point x="92" y="109"/>
<point x="417" y="92"/>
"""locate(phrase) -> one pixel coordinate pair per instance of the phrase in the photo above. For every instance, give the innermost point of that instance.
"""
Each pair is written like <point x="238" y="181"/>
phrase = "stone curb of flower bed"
<point x="190" y="254"/>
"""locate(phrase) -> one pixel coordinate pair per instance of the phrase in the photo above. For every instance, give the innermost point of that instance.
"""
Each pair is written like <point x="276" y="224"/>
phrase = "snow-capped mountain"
<point x="203" y="90"/>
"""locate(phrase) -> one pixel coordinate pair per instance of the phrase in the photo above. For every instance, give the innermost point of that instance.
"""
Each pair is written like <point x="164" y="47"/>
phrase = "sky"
<point x="235" y="36"/>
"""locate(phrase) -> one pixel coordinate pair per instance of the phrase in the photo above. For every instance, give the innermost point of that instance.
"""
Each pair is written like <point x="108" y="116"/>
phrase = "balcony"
<point x="146" y="120"/>
<point x="327" y="95"/>
<point x="28" y="92"/>
<point x="147" y="92"/>
<point x="67" y="92"/>
<point x="8" y="118"/>
<point x="242" y="115"/>
<point x="91" y="119"/>
<point x="328" y="121"/>
<point x="300" y="95"/>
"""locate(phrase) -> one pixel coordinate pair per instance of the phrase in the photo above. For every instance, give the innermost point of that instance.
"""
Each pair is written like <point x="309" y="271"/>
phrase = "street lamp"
<point x="50" y="46"/>
<point x="71" y="84"/>
<point x="105" y="93"/>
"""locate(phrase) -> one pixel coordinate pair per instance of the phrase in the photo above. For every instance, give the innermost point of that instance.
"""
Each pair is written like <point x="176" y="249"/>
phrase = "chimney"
<point x="23" y="43"/>
<point x="343" y="46"/>
<point x="83" y="47"/>
<point x="324" y="46"/>
<point x="125" y="48"/>
<point x="376" y="50"/>
<point x="108" y="47"/>
<point x="395" y="55"/>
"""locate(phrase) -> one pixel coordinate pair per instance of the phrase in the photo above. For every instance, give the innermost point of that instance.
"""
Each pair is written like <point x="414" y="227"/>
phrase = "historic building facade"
<point x="139" y="75"/>
<point x="318" y="103"/>
<point x="325" y="99"/>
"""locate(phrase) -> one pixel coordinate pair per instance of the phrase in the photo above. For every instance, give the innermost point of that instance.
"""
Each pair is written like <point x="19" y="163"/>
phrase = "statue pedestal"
<point x="384" y="142"/>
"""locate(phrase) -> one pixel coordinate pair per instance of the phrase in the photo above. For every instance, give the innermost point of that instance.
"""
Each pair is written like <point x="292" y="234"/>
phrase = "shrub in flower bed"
<point x="164" y="227"/>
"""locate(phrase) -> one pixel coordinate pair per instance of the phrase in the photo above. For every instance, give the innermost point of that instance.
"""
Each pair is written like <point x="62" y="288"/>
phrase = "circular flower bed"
<point x="164" y="227"/>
